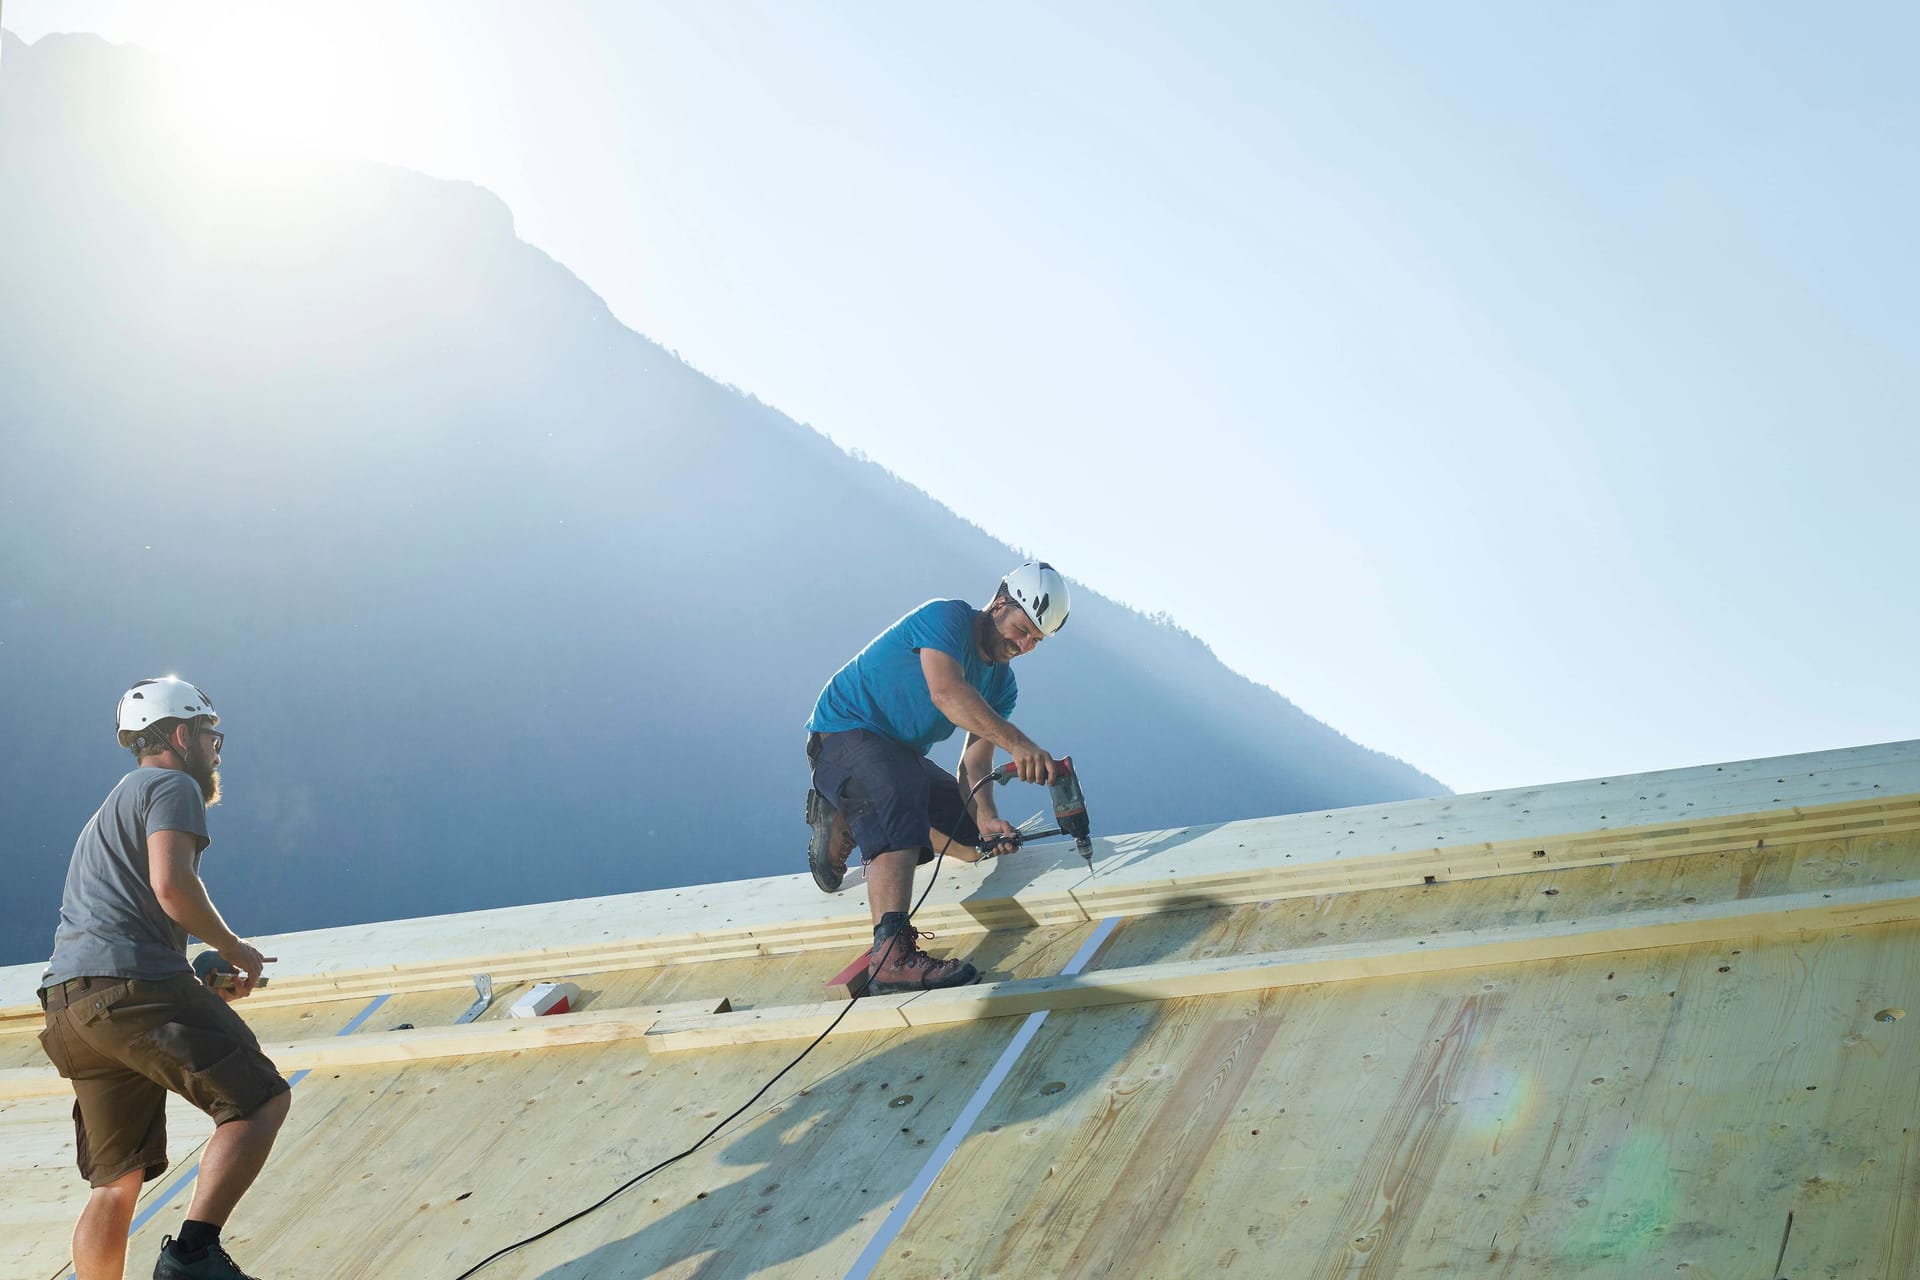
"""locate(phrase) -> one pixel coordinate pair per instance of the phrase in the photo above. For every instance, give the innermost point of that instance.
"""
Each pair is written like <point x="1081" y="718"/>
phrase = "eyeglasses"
<point x="219" y="738"/>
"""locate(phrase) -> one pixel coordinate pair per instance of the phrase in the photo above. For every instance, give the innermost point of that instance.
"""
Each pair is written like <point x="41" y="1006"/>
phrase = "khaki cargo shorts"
<point x="126" y="1042"/>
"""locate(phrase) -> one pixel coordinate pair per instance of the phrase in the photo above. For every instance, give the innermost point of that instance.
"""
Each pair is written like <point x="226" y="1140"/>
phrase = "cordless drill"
<point x="217" y="973"/>
<point x="1069" y="805"/>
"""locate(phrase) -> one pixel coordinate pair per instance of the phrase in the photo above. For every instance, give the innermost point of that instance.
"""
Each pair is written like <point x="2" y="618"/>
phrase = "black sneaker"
<point x="897" y="963"/>
<point x="213" y="1264"/>
<point x="830" y="844"/>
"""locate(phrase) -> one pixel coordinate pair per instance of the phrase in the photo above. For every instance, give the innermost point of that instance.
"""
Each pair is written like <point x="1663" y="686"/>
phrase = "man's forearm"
<point x="187" y="905"/>
<point x="976" y="762"/>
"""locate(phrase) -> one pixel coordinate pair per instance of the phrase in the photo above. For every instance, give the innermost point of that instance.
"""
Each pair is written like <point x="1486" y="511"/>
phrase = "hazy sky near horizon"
<point x="1526" y="390"/>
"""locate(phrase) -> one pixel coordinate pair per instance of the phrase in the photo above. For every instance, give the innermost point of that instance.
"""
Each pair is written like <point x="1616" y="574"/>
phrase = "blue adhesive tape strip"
<point x="877" y="1247"/>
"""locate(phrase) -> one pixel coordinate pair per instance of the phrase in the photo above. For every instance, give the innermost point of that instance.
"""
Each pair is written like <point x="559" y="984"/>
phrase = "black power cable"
<point x="637" y="1178"/>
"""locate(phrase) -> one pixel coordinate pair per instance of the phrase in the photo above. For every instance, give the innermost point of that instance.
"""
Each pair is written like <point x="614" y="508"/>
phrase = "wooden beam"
<point x="1739" y="834"/>
<point x="422" y="1044"/>
<point x="1673" y="926"/>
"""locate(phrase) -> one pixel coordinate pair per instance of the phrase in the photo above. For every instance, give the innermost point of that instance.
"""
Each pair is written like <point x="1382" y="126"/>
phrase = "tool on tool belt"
<point x="1069" y="811"/>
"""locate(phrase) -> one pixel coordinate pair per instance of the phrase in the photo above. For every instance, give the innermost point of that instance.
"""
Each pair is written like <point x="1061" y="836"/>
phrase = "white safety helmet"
<point x="161" y="698"/>
<point x="1039" y="589"/>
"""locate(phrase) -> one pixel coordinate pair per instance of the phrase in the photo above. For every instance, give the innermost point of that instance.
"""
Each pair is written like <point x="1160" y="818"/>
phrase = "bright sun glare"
<point x="262" y="83"/>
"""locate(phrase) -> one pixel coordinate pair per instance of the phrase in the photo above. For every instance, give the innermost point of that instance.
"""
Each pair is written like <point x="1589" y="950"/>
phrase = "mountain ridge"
<point x="502" y="600"/>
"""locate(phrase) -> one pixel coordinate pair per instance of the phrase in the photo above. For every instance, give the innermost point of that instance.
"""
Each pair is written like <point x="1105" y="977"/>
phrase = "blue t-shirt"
<point x="883" y="689"/>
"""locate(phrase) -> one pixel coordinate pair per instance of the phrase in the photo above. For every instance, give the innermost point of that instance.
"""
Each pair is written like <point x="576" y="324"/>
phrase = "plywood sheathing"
<point x="1673" y="813"/>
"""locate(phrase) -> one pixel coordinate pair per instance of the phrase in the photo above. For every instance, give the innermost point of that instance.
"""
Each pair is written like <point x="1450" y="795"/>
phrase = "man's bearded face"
<point x="202" y="763"/>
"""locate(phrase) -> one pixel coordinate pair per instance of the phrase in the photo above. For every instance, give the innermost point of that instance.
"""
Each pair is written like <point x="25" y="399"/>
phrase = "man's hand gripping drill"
<point x="1069" y="812"/>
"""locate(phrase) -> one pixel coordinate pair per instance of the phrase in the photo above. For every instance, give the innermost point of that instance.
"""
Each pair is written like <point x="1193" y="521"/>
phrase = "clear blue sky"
<point x="1527" y="390"/>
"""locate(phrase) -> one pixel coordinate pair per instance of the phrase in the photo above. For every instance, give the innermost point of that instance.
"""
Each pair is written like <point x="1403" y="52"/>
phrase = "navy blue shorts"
<point x="892" y="795"/>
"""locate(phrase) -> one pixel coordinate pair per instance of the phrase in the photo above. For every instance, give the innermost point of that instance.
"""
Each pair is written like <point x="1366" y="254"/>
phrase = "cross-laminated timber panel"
<point x="1657" y="1113"/>
<point x="698" y="1024"/>
<point x="1675" y="813"/>
<point x="1126" y="1134"/>
<point x="1328" y="1126"/>
<point x="1122" y="1138"/>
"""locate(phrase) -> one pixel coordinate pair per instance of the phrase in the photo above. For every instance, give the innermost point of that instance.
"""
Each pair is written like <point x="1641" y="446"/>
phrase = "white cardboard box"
<point x="546" y="997"/>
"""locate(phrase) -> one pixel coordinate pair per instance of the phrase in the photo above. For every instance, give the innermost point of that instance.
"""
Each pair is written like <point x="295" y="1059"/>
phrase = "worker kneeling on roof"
<point x="943" y="666"/>
<point x="128" y="1020"/>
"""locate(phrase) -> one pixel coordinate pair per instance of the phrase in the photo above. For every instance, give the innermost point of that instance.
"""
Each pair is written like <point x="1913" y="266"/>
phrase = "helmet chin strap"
<point x="183" y="754"/>
<point x="157" y="741"/>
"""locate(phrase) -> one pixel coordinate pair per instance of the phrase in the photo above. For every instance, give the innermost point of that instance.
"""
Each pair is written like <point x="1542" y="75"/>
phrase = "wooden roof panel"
<point x="1625" y="1112"/>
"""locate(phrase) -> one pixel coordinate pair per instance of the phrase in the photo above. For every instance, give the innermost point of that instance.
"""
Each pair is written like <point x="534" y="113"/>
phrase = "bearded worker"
<point x="941" y="667"/>
<point x="128" y="1021"/>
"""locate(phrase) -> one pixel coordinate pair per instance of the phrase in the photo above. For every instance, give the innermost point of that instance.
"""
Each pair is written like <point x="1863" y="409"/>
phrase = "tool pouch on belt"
<point x="99" y="1001"/>
<point x="89" y="998"/>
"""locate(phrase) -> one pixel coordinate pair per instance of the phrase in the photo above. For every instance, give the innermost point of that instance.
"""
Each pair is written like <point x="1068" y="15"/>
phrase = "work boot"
<point x="830" y="845"/>
<point x="897" y="963"/>
<point x="213" y="1264"/>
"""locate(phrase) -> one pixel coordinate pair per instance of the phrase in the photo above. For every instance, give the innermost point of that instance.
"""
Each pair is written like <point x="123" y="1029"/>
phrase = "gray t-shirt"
<point x="111" y="924"/>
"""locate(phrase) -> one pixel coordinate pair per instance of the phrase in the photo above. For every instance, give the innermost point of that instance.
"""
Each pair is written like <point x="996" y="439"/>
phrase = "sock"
<point x="195" y="1238"/>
